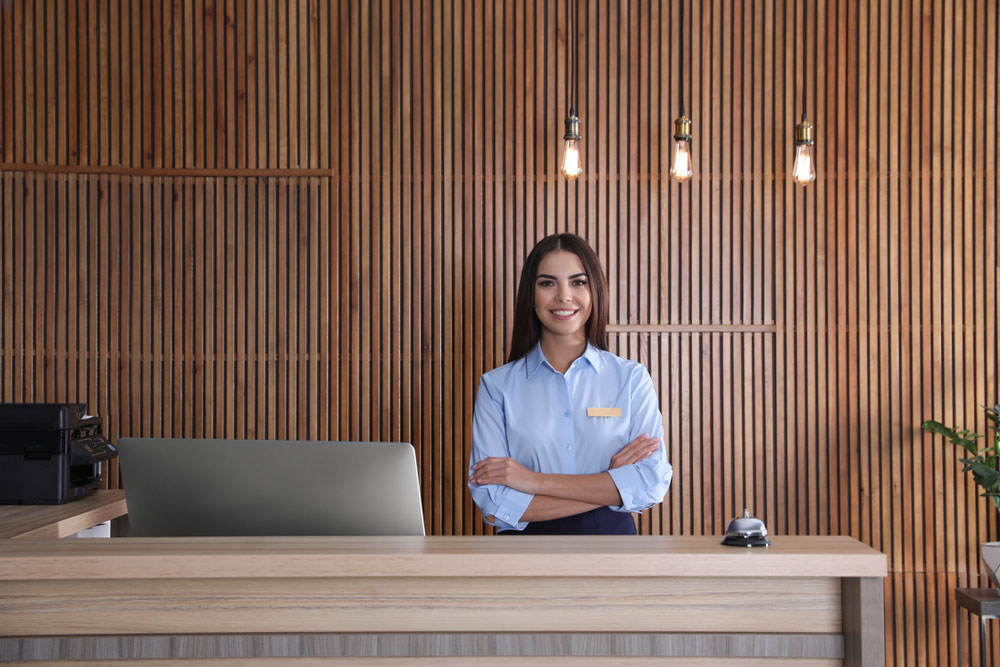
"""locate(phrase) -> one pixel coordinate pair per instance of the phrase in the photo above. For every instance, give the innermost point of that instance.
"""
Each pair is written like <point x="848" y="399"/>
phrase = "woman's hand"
<point x="641" y="448"/>
<point x="505" y="471"/>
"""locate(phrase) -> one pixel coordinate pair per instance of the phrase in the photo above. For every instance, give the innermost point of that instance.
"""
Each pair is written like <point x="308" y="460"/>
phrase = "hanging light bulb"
<point x="804" y="169"/>
<point x="572" y="165"/>
<point x="682" y="168"/>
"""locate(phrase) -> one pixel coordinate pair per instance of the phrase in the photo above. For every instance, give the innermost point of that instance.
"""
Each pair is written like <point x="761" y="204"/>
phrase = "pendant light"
<point x="572" y="165"/>
<point x="681" y="168"/>
<point x="804" y="168"/>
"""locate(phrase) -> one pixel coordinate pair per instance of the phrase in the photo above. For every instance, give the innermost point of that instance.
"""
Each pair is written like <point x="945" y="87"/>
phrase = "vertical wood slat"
<point x="117" y="76"/>
<point x="365" y="303"/>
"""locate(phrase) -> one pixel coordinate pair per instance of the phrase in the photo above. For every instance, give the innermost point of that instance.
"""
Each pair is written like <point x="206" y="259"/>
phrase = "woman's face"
<point x="562" y="294"/>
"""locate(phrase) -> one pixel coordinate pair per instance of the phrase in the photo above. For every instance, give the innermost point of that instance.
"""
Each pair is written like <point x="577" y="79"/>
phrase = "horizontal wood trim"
<point x="152" y="171"/>
<point x="414" y="604"/>
<point x="691" y="328"/>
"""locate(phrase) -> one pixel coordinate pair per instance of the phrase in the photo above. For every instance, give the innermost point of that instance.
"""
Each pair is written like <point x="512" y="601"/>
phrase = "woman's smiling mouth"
<point x="564" y="314"/>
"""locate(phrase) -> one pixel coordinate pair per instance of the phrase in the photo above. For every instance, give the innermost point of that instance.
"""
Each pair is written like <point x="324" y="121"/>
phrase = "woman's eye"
<point x="545" y="283"/>
<point x="579" y="282"/>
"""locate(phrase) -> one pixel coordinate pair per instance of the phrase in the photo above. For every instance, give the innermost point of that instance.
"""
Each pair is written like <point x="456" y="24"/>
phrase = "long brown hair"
<point x="527" y="328"/>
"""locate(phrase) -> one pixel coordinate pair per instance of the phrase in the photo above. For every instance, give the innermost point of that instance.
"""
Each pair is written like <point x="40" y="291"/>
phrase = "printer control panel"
<point x="96" y="449"/>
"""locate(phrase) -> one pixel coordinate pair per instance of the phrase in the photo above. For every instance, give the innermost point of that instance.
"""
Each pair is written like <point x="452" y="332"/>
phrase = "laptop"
<point x="191" y="487"/>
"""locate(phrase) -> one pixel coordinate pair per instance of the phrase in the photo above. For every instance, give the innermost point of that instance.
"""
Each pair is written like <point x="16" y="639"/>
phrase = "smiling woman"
<point x="567" y="437"/>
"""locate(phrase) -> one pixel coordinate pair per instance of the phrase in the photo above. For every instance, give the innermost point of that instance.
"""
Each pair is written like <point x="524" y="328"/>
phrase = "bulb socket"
<point x="804" y="134"/>
<point x="572" y="127"/>
<point x="682" y="129"/>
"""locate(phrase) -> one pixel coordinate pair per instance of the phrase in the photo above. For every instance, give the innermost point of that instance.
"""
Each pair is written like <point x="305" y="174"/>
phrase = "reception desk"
<point x="811" y="600"/>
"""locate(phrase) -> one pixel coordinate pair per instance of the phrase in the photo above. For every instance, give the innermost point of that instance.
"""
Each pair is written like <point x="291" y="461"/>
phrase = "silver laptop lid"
<point x="191" y="487"/>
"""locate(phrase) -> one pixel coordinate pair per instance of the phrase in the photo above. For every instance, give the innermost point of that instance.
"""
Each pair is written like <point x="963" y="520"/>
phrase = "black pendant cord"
<point x="682" y="59"/>
<point x="571" y="23"/>
<point x="805" y="55"/>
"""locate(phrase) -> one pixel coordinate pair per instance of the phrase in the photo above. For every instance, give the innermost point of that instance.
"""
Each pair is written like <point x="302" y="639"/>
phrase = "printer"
<point x="50" y="453"/>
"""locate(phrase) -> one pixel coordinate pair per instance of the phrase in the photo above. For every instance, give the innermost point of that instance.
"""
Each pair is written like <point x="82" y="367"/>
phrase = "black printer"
<point x="50" y="453"/>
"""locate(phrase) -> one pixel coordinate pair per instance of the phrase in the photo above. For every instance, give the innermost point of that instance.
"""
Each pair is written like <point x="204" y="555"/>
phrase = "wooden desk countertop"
<point x="474" y="556"/>
<point x="817" y="587"/>
<point x="41" y="521"/>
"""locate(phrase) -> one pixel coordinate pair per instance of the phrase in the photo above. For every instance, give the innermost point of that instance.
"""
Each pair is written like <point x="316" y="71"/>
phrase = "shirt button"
<point x="566" y="414"/>
<point x="506" y="517"/>
<point x="569" y="448"/>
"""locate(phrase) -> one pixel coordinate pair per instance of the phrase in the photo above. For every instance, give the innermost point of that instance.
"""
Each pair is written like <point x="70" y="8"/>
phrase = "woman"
<point x="566" y="437"/>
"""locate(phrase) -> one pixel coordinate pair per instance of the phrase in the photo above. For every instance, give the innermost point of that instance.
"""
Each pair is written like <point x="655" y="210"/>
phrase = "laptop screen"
<point x="196" y="487"/>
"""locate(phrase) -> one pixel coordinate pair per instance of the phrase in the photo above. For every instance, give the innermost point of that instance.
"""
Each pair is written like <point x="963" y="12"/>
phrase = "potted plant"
<point x="984" y="464"/>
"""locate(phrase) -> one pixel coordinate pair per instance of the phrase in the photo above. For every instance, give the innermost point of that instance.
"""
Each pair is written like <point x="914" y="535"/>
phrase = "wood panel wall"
<point x="258" y="218"/>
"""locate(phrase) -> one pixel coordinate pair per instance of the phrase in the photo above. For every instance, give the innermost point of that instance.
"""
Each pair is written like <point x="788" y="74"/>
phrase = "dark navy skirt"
<point x="600" y="521"/>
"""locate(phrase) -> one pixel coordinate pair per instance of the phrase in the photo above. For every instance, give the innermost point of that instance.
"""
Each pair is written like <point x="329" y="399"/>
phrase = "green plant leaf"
<point x="956" y="437"/>
<point x="983" y="464"/>
<point x="986" y="476"/>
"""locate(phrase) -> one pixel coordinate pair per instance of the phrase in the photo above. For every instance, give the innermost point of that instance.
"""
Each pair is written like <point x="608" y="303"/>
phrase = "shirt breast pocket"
<point x="610" y="425"/>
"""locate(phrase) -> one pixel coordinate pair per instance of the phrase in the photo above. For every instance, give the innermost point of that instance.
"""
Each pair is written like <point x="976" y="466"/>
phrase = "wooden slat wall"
<point x="204" y="84"/>
<point x="306" y="219"/>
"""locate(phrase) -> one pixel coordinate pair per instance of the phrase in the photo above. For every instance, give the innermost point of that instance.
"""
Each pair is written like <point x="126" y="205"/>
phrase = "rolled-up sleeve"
<point x="645" y="483"/>
<point x="503" y="503"/>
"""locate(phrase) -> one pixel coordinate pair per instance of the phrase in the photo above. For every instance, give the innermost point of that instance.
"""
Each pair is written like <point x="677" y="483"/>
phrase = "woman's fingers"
<point x="634" y="456"/>
<point x="641" y="448"/>
<point x="642" y="443"/>
<point x="505" y="471"/>
<point x="485" y="468"/>
<point x="491" y="464"/>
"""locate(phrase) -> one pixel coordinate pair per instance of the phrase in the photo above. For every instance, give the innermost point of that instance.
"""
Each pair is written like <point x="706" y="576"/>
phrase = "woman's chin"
<point x="564" y="328"/>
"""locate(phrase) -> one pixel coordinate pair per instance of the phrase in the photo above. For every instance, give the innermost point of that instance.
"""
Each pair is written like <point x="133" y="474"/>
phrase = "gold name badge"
<point x="604" y="412"/>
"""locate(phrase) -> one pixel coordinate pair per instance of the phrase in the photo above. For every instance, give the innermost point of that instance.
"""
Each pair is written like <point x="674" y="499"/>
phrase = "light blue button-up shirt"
<point x="531" y="412"/>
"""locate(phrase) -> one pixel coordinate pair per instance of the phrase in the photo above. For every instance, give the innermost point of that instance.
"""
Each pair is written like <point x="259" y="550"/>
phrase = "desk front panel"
<point x="422" y="604"/>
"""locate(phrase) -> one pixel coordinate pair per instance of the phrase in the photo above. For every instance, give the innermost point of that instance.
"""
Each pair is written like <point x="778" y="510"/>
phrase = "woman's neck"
<point x="562" y="351"/>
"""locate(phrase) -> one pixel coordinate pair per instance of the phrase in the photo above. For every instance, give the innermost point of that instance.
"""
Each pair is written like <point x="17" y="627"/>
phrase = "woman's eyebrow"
<point x="546" y="275"/>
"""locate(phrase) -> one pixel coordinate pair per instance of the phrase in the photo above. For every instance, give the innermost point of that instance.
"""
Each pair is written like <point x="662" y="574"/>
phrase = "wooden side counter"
<point x="657" y="586"/>
<point x="40" y="521"/>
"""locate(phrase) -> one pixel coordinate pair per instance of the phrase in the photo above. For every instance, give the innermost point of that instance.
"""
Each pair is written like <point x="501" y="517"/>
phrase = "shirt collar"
<point x="534" y="358"/>
<point x="593" y="355"/>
